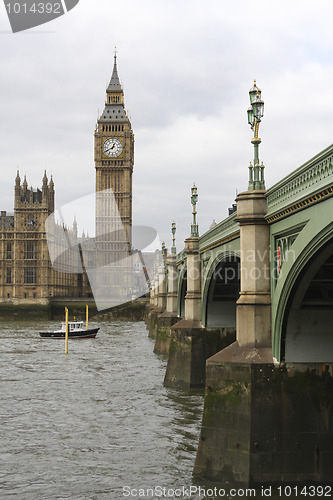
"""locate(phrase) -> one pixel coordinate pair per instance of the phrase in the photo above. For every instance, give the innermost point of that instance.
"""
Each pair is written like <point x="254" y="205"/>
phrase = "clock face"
<point x="112" y="147"/>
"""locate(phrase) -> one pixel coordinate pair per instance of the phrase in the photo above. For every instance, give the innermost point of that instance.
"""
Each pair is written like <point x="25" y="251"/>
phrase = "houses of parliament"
<point x="26" y="271"/>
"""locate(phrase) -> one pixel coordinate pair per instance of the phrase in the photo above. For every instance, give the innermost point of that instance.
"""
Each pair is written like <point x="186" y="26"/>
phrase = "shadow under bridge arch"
<point x="221" y="291"/>
<point x="182" y="289"/>
<point x="307" y="328"/>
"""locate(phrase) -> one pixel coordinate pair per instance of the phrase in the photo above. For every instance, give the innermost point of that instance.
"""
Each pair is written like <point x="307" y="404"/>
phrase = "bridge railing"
<point x="224" y="230"/>
<point x="181" y="257"/>
<point x="310" y="179"/>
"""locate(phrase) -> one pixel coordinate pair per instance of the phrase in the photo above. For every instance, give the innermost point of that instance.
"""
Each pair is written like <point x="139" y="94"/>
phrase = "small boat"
<point x="76" y="330"/>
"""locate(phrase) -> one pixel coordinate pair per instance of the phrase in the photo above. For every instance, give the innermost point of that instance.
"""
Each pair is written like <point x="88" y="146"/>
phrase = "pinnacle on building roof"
<point x="18" y="178"/>
<point x="45" y="179"/>
<point x="115" y="84"/>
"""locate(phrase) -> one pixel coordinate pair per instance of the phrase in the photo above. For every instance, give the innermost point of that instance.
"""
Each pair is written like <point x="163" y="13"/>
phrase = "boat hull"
<point x="83" y="334"/>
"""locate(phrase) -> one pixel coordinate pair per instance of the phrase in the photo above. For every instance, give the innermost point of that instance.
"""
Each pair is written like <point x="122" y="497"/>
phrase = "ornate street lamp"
<point x="254" y="115"/>
<point x="173" y="230"/>
<point x="194" y="201"/>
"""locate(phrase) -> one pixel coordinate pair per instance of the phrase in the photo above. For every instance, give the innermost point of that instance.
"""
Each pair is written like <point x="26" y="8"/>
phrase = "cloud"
<point x="186" y="68"/>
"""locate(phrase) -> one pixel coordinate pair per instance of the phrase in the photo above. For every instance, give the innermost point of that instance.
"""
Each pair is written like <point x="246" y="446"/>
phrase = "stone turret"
<point x="45" y="186"/>
<point x="32" y="207"/>
<point x="51" y="195"/>
<point x="25" y="184"/>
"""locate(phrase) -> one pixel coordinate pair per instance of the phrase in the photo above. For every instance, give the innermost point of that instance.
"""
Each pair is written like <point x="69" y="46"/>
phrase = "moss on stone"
<point x="24" y="311"/>
<point x="217" y="402"/>
<point x="131" y="311"/>
<point x="172" y="347"/>
<point x="162" y="335"/>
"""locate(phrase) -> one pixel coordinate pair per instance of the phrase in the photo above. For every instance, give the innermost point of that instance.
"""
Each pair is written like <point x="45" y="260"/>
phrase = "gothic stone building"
<point x="114" y="159"/>
<point x="26" y="274"/>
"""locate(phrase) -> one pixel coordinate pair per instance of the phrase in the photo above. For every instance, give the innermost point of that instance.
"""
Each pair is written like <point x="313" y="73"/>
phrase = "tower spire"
<point x="114" y="94"/>
<point x="45" y="186"/>
<point x="45" y="180"/>
<point x="115" y="84"/>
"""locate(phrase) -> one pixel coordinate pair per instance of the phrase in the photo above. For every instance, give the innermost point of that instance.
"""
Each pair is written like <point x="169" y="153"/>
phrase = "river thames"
<point x="96" y="423"/>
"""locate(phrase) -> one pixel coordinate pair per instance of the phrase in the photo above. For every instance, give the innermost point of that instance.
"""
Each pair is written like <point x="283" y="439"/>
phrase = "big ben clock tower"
<point x="114" y="158"/>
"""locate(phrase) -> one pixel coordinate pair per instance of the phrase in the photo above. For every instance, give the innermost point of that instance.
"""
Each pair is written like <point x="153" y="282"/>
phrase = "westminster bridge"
<point x="299" y="216"/>
<point x="246" y="309"/>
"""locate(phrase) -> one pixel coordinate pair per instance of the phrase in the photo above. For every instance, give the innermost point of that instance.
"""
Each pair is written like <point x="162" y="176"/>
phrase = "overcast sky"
<point x="186" y="68"/>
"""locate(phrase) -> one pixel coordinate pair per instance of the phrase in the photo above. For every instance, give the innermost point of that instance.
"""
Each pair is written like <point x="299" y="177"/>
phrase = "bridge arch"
<point x="182" y="288"/>
<point x="221" y="291"/>
<point x="302" y="323"/>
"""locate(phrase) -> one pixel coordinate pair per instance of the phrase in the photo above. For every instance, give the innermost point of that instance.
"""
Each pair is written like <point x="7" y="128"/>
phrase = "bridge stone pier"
<point x="237" y="402"/>
<point x="158" y="297"/>
<point x="169" y="317"/>
<point x="263" y="279"/>
<point x="186" y="335"/>
<point x="190" y="344"/>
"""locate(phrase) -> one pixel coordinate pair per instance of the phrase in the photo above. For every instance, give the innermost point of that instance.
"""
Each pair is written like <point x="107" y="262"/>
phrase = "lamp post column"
<point x="239" y="377"/>
<point x="155" y="284"/>
<point x="169" y="316"/>
<point x="162" y="283"/>
<point x="172" y="276"/>
<point x="253" y="305"/>
<point x="193" y="294"/>
<point x="255" y="113"/>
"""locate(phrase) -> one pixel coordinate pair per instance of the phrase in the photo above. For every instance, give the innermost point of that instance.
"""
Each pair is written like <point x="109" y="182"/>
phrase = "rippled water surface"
<point x="87" y="424"/>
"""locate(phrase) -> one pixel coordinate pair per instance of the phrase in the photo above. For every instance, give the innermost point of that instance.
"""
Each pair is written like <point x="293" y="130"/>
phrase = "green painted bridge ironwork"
<point x="249" y="314"/>
<point x="300" y="219"/>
